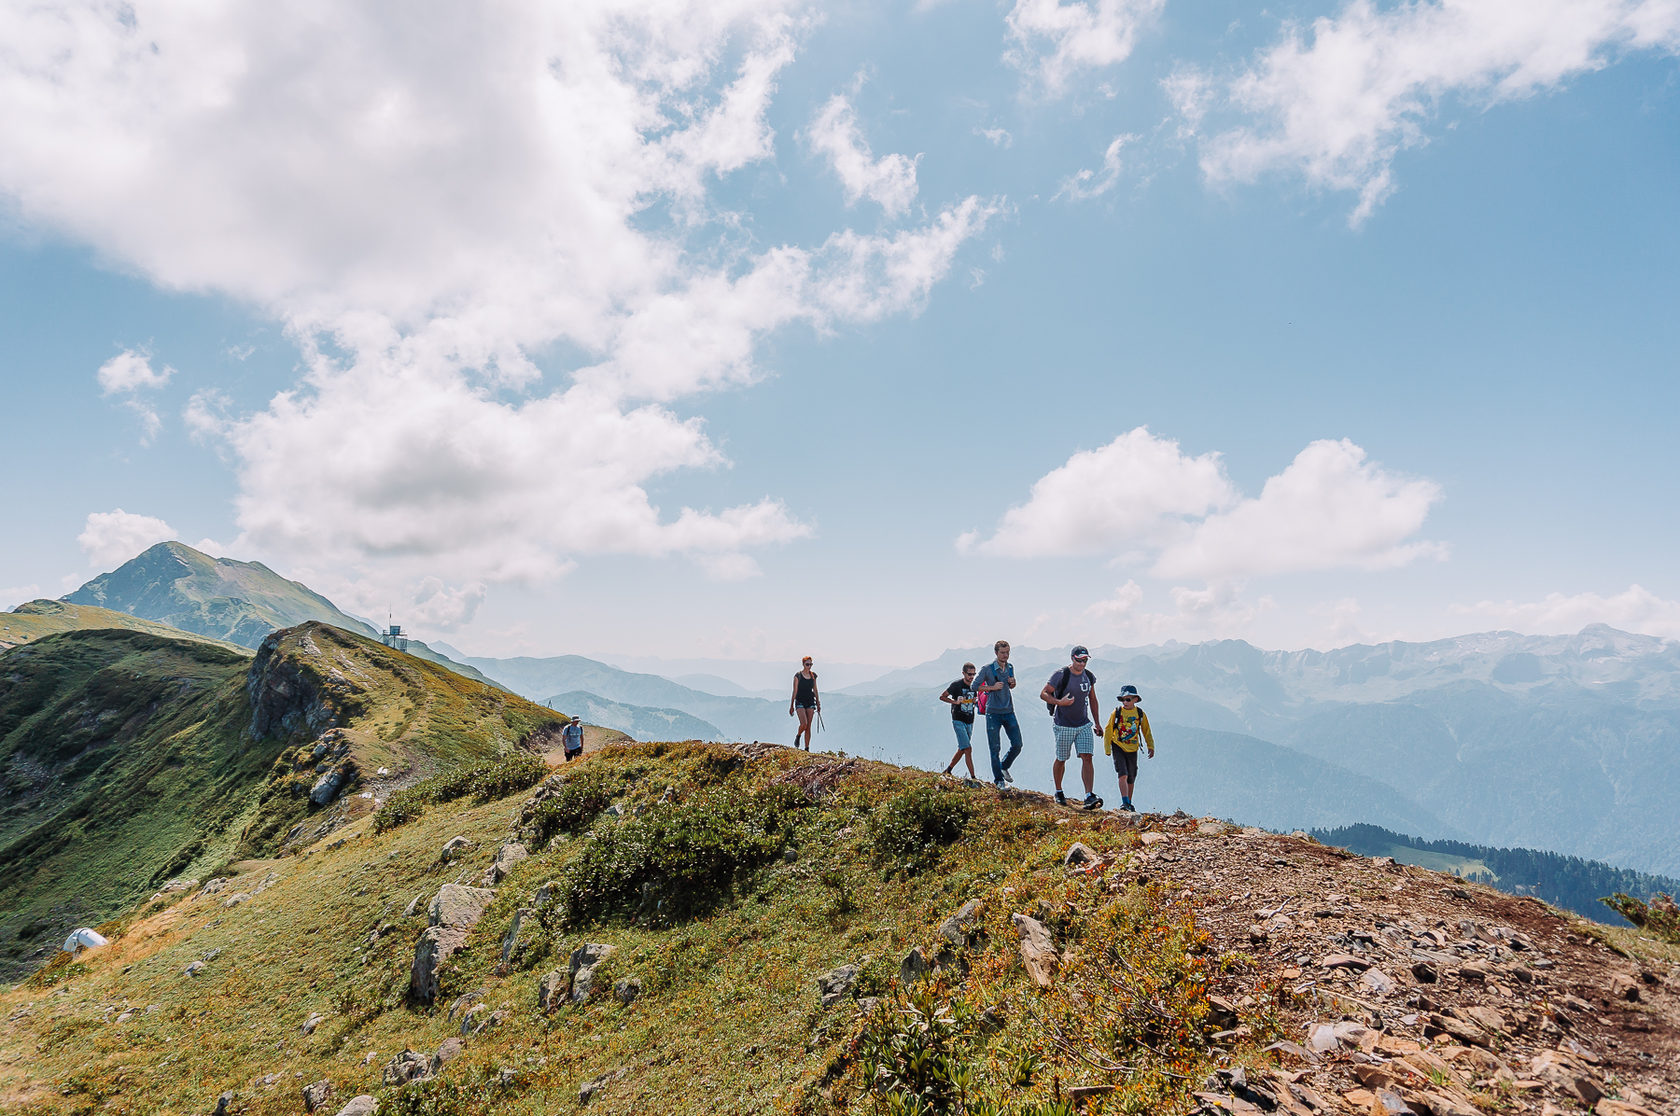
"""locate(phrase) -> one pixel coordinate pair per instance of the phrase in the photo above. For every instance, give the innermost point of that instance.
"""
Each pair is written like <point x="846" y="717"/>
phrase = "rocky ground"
<point x="1404" y="990"/>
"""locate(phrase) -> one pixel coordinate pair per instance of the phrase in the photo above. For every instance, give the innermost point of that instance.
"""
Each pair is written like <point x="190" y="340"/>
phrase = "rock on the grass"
<point x="450" y="1050"/>
<point x="327" y="786"/>
<point x="224" y="1103"/>
<point x="454" y="847"/>
<point x="962" y="928"/>
<point x="405" y="1067"/>
<point x="193" y="969"/>
<point x="414" y="905"/>
<point x="317" y="1094"/>
<point x="915" y="967"/>
<point x="460" y="906"/>
<point x="363" y="1105"/>
<point x="315" y="1020"/>
<point x="1078" y="856"/>
<point x="1038" y="953"/>
<point x="586" y="959"/>
<point x="595" y="1084"/>
<point x="834" y="985"/>
<point x="628" y="990"/>
<point x="551" y="990"/>
<point x="506" y="857"/>
<point x="437" y="945"/>
<point x="513" y="945"/>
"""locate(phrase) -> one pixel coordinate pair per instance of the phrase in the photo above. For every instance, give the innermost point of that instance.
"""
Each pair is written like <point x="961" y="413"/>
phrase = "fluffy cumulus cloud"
<point x="1337" y="101"/>
<point x="1054" y="41"/>
<point x="1218" y="611"/>
<point x="1114" y="500"/>
<point x="111" y="538"/>
<point x="425" y="203"/>
<point x="1143" y="501"/>
<point x="1636" y="609"/>
<point x="889" y="182"/>
<point x="1330" y="508"/>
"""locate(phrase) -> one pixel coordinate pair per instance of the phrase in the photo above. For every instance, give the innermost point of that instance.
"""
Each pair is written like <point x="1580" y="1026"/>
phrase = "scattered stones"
<point x="437" y="945"/>
<point x="1037" y="951"/>
<point x="1377" y="982"/>
<point x="1563" y="1070"/>
<point x="315" y="1020"/>
<point x="962" y="930"/>
<point x="627" y="990"/>
<point x="1344" y="961"/>
<point x="1153" y="837"/>
<point x="1425" y="972"/>
<point x="586" y="959"/>
<point x="363" y="1105"/>
<point x="193" y="969"/>
<point x="317" y="1094"/>
<point x="836" y="984"/>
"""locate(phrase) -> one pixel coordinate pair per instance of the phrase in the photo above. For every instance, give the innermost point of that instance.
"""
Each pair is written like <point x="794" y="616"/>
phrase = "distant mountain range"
<point x="1567" y="743"/>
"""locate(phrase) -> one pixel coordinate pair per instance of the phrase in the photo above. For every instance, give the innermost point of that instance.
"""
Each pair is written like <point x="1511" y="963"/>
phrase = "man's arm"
<point x="945" y="696"/>
<point x="1096" y="710"/>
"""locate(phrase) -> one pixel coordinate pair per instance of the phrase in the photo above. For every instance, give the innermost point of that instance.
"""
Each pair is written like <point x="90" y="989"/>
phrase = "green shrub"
<point x="910" y="831"/>
<point x="577" y="801"/>
<point x="504" y="775"/>
<point x="679" y="859"/>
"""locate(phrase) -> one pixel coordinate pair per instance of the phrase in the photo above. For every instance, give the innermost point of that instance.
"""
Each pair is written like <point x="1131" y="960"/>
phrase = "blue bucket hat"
<point x="1128" y="692"/>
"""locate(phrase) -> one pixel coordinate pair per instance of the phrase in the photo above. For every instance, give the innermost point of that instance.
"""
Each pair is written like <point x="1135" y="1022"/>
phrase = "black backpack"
<point x="1061" y="688"/>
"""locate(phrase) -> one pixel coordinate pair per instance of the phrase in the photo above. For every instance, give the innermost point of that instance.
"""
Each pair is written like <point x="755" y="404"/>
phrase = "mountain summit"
<point x="240" y="602"/>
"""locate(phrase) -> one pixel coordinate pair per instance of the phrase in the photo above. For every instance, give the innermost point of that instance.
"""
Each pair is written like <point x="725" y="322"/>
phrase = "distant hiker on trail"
<point x="994" y="683"/>
<point x="571" y="739"/>
<point x="1071" y="695"/>
<point x="805" y="701"/>
<point x="1127" y="727"/>
<point x="960" y="696"/>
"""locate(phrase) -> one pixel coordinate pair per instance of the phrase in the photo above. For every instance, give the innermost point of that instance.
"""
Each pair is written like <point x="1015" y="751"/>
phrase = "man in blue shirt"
<point x="995" y="681"/>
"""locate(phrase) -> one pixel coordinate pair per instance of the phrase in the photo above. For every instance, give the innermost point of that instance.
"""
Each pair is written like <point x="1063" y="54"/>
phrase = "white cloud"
<point x="889" y="181"/>
<point x="1141" y="500"/>
<point x="423" y="206"/>
<point x="1636" y="609"/>
<point x="1330" y="508"/>
<point x="130" y="371"/>
<point x="111" y="538"/>
<point x="997" y="137"/>
<point x="13" y="595"/>
<point x="1116" y="499"/>
<point x="1087" y="183"/>
<point x="1338" y="103"/>
<point x="433" y="604"/>
<point x="1054" y="40"/>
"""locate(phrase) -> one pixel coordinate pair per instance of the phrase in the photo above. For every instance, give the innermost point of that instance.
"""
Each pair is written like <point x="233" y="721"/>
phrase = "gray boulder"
<point x="836" y="984"/>
<point x="506" y="857"/>
<point x="316" y="1095"/>
<point x="459" y="906"/>
<point x="628" y="990"/>
<point x="363" y="1105"/>
<point x="915" y="967"/>
<point x="450" y="1050"/>
<point x="962" y="929"/>
<point x="405" y="1067"/>
<point x="1038" y="954"/>
<point x="521" y="933"/>
<point x="586" y="959"/>
<point x="414" y="905"/>
<point x="326" y="788"/>
<point x="595" y="1084"/>
<point x="315" y="1020"/>
<point x="454" y="847"/>
<point x="437" y="945"/>
<point x="1079" y="855"/>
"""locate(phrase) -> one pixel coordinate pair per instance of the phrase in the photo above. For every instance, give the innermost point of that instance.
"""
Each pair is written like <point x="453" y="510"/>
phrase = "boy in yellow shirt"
<point x="1127" y="727"/>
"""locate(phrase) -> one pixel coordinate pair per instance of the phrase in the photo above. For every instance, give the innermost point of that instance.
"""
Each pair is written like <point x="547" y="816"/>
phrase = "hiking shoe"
<point x="1092" y="802"/>
<point x="1007" y="776"/>
<point x="1061" y="799"/>
<point x="1129" y="808"/>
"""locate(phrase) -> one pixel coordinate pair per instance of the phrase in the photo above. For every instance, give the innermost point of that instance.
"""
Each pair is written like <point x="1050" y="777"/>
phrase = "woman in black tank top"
<point x="804" y="702"/>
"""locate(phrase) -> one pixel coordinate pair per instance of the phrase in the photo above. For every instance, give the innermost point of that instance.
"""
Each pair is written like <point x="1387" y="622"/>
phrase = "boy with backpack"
<point x="1127" y="727"/>
<point x="1071" y="697"/>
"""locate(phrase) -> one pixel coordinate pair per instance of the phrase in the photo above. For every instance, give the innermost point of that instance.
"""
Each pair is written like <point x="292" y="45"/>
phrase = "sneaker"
<point x="998" y="784"/>
<point x="1007" y="776"/>
<point x="1061" y="799"/>
<point x="1129" y="808"/>
<point x="1092" y="802"/>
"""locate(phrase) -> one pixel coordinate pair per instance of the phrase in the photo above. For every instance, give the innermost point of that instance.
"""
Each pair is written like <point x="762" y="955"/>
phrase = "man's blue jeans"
<point x="1005" y="722"/>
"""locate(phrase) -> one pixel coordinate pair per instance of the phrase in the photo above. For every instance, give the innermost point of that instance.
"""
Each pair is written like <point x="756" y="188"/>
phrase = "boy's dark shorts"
<point x="1125" y="764"/>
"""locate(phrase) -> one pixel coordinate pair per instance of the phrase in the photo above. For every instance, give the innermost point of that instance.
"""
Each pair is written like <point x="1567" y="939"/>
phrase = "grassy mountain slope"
<point x="237" y="601"/>
<point x="128" y="758"/>
<point x="35" y="619"/>
<point x="732" y="878"/>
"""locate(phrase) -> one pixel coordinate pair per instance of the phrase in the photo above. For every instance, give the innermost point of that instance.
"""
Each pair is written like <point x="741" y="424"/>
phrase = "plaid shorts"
<point x="1078" y="738"/>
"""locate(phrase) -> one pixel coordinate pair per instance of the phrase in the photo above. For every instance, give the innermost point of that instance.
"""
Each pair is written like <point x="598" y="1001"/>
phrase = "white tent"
<point x="84" y="939"/>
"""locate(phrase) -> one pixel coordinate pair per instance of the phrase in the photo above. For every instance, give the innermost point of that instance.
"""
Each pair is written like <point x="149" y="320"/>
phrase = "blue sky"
<point x="1108" y="322"/>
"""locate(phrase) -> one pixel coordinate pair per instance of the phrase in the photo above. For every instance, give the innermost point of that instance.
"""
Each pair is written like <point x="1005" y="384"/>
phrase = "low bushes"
<point x="910" y="830"/>
<point x="504" y="775"/>
<point x="1660" y="916"/>
<point x="678" y="859"/>
<point x="573" y="804"/>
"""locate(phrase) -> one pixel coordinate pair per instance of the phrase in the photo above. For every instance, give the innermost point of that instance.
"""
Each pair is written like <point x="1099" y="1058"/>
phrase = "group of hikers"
<point x="1071" y="697"/>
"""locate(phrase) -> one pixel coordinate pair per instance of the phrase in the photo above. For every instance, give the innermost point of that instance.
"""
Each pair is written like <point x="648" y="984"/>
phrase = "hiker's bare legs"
<point x="1085" y="770"/>
<point x="805" y="715"/>
<point x="1056" y="770"/>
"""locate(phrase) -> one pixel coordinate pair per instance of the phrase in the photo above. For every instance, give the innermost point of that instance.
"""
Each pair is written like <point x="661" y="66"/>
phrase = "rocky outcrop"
<point x="287" y="696"/>
<point x="452" y="914"/>
<point x="586" y="960"/>
<point x="1037" y="952"/>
